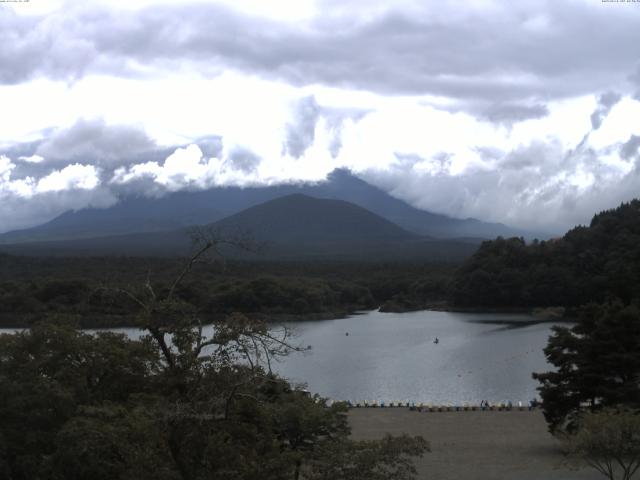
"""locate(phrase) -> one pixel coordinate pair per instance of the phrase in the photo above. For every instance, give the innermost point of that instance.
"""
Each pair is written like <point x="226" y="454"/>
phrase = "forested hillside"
<point x="33" y="288"/>
<point x="588" y="264"/>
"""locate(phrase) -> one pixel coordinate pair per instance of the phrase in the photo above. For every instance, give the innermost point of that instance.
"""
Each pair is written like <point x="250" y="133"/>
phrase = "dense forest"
<point x="89" y="289"/>
<point x="588" y="264"/>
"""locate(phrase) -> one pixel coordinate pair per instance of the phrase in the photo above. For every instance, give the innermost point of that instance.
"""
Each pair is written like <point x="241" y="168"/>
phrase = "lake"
<point x="393" y="357"/>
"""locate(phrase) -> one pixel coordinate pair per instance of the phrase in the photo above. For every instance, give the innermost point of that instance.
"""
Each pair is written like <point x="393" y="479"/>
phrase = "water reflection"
<point x="389" y="356"/>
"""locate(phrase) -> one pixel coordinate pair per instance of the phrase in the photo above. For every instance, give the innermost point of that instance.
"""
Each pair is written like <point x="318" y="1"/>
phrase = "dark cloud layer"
<point x="243" y="160"/>
<point x="510" y="113"/>
<point x="94" y="142"/>
<point x="630" y="148"/>
<point x="606" y="102"/>
<point x="301" y="131"/>
<point x="87" y="142"/>
<point x="307" y="112"/>
<point x="542" y="49"/>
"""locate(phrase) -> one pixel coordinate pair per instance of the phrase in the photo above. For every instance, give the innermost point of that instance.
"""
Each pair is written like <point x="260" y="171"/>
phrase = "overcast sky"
<point x="526" y="113"/>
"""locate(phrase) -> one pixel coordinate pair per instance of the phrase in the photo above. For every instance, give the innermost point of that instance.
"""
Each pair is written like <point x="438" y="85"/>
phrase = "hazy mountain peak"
<point x="179" y="209"/>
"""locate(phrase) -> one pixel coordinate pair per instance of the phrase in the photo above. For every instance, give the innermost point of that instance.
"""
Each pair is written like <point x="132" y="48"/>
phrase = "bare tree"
<point x="175" y="326"/>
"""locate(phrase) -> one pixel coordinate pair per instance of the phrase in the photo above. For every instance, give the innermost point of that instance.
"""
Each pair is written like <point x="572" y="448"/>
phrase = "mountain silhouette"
<point x="136" y="214"/>
<point x="294" y="226"/>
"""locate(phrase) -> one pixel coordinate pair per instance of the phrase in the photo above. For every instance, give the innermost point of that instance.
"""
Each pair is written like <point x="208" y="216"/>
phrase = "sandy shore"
<point x="475" y="445"/>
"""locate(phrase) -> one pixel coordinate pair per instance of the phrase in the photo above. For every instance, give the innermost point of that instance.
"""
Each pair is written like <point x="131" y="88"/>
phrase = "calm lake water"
<point x="393" y="357"/>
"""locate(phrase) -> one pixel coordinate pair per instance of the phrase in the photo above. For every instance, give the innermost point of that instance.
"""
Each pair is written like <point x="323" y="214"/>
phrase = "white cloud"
<point x="9" y="187"/>
<point x="622" y="121"/>
<point x="71" y="177"/>
<point x="6" y="166"/>
<point x="446" y="162"/>
<point x="185" y="168"/>
<point x="31" y="158"/>
<point x="28" y="200"/>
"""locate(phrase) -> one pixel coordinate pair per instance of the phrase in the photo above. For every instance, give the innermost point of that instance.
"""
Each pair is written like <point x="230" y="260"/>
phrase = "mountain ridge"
<point x="299" y="218"/>
<point x="136" y="214"/>
<point x="295" y="226"/>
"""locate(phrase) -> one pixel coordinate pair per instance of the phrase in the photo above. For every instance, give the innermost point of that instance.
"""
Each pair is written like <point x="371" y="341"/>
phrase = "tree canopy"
<point x="597" y="364"/>
<point x="587" y="264"/>
<point x="174" y="404"/>
<point x="609" y="441"/>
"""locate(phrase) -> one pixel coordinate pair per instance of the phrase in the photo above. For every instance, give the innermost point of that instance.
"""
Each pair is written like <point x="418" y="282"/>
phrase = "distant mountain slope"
<point x="142" y="214"/>
<point x="302" y="220"/>
<point x="343" y="185"/>
<point x="292" y="227"/>
<point x="131" y="215"/>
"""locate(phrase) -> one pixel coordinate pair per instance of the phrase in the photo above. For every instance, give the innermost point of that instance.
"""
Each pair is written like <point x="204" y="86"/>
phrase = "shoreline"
<point x="445" y="407"/>
<point x="560" y="314"/>
<point x="103" y="321"/>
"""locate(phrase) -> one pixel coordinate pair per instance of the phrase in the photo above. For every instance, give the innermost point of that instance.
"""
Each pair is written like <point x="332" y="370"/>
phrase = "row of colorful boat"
<point x="429" y="407"/>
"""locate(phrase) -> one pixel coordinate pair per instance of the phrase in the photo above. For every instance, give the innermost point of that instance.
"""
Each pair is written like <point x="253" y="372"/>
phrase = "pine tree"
<point x="597" y="361"/>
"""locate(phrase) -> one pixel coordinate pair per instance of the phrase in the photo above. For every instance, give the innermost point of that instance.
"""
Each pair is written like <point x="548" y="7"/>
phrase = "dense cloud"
<point x="87" y="142"/>
<point x="630" y="148"/>
<point x="605" y="104"/>
<point x="93" y="141"/>
<point x="540" y="49"/>
<point x="511" y="113"/>
<point x="243" y="160"/>
<point x="538" y="179"/>
<point x="29" y="200"/>
<point x="335" y="120"/>
<point x="306" y="114"/>
<point x="301" y="132"/>
<point x="634" y="78"/>
<point x="523" y="114"/>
